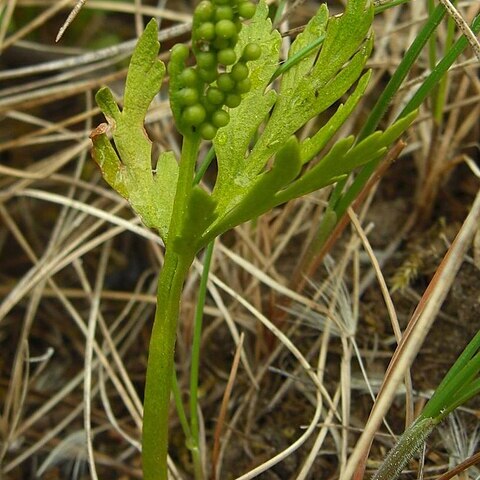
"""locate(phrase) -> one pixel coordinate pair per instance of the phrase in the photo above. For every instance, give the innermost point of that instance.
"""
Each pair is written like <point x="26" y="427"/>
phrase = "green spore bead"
<point x="233" y="100"/>
<point x="180" y="51"/>
<point x="225" y="82"/>
<point x="205" y="11"/>
<point x="239" y="71"/>
<point x="227" y="56"/>
<point x="207" y="75"/>
<point x="221" y="43"/>
<point x="222" y="2"/>
<point x="238" y="25"/>
<point x="252" y="51"/>
<point x="206" y="60"/>
<point x="209" y="107"/>
<point x="220" y="118"/>
<point x="244" y="86"/>
<point x="206" y="31"/>
<point x="246" y="9"/>
<point x="194" y="115"/>
<point x="207" y="131"/>
<point x="224" y="12"/>
<point x="188" y="96"/>
<point x="189" y="77"/>
<point x="215" y="96"/>
<point x="225" y="29"/>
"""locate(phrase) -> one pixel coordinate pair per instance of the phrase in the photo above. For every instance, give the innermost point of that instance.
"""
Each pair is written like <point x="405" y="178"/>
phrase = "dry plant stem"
<point x="70" y="18"/>
<point x="92" y="324"/>
<point x="223" y="408"/>
<point x="415" y="334"/>
<point x="89" y="57"/>
<point x="323" y="393"/>
<point x="7" y="16"/>
<point x="463" y="26"/>
<point x="54" y="400"/>
<point x="473" y="460"/>
<point x="39" y="20"/>
<point x="390" y="308"/>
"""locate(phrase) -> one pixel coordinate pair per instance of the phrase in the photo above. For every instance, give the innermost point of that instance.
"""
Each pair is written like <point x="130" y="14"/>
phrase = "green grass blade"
<point x="466" y="356"/>
<point x="182" y="416"/>
<point x="445" y="399"/>
<point x="464" y="396"/>
<point x="197" y="336"/>
<point x="204" y="166"/>
<point x="440" y="70"/>
<point x="387" y="5"/>
<point x="401" y="72"/>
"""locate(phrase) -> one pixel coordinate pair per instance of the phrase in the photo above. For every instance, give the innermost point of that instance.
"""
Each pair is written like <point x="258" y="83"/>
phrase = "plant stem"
<point x="197" y="336"/>
<point x="160" y="367"/>
<point x="204" y="166"/>
<point x="407" y="446"/>
<point x="177" y="397"/>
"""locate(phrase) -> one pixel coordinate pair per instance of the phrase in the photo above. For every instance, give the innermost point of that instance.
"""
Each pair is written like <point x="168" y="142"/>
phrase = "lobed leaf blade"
<point x="150" y="194"/>
<point x="232" y="142"/>
<point x="311" y="146"/>
<point x="315" y="29"/>
<point x="325" y="83"/>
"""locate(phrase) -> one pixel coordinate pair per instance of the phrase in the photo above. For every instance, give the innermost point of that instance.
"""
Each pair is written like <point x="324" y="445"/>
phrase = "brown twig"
<point x="461" y="467"/>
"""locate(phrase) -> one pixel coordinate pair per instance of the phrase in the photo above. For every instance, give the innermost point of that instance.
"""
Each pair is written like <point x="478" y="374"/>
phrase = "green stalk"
<point x="457" y="383"/>
<point x="297" y="58"/>
<point x="280" y="11"/>
<point x="204" y="166"/>
<point x="177" y="397"/>
<point x="432" y="42"/>
<point x="160" y="367"/>
<point x="197" y="337"/>
<point x="434" y="406"/>
<point x="442" y="89"/>
<point x="192" y="431"/>
<point x="387" y="5"/>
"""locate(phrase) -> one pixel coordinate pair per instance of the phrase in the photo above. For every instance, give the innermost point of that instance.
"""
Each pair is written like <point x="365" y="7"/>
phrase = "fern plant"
<point x="237" y="96"/>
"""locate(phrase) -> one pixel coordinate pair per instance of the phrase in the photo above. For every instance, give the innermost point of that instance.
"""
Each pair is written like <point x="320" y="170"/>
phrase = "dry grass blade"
<point x="92" y="323"/>
<point x="463" y="26"/>
<point x="70" y="18"/>
<point x="39" y="20"/>
<point x="462" y="467"/>
<point x="390" y="308"/>
<point x="323" y="394"/>
<point x="224" y="407"/>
